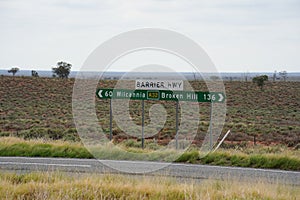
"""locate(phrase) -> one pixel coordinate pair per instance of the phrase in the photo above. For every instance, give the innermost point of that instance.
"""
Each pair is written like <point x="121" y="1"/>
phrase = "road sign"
<point x="166" y="95"/>
<point x="159" y="85"/>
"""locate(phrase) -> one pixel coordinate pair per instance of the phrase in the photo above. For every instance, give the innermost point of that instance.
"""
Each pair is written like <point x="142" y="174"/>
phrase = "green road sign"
<point x="163" y="95"/>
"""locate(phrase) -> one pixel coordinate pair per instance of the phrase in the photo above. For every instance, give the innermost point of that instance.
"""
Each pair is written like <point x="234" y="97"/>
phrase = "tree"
<point x="274" y="76"/>
<point x="260" y="80"/>
<point x="34" y="73"/>
<point x="13" y="70"/>
<point x="194" y="75"/>
<point x="283" y="74"/>
<point x="214" y="78"/>
<point x="246" y="75"/>
<point x="62" y="70"/>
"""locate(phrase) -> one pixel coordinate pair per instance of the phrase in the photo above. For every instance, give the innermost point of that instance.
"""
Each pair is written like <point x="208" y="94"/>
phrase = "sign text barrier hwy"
<point x="159" y="85"/>
<point x="163" y="95"/>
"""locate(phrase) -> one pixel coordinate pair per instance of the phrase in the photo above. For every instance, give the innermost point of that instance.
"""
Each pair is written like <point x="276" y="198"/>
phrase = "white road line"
<point x="44" y="158"/>
<point x="44" y="164"/>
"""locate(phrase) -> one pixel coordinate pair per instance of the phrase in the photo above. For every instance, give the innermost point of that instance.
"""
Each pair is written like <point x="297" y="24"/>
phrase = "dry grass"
<point x="279" y="150"/>
<point x="11" y="146"/>
<point x="15" y="140"/>
<point x="94" y="186"/>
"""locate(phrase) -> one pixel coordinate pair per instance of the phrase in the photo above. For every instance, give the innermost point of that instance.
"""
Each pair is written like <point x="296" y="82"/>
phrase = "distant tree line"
<point x="62" y="70"/>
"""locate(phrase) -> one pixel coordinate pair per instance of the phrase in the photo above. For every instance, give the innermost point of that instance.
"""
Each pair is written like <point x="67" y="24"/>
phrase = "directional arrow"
<point x="221" y="97"/>
<point x="100" y="93"/>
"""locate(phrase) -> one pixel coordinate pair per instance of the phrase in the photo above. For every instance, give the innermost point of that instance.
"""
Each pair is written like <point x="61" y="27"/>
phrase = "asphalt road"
<point x="136" y="167"/>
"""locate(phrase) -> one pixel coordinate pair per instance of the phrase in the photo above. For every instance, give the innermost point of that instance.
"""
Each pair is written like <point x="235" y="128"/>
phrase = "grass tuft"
<point x="270" y="161"/>
<point x="53" y="185"/>
<point x="38" y="148"/>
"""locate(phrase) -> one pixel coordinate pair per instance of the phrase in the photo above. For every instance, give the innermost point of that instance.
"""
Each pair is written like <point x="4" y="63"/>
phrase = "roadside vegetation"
<point x="53" y="185"/>
<point x="10" y="146"/>
<point x="258" y="157"/>
<point x="36" y="116"/>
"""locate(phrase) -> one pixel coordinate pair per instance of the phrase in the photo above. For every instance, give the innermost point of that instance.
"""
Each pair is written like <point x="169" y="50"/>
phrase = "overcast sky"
<point x="238" y="35"/>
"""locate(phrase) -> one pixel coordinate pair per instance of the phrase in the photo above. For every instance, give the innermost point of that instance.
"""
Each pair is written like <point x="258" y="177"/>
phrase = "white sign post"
<point x="159" y="85"/>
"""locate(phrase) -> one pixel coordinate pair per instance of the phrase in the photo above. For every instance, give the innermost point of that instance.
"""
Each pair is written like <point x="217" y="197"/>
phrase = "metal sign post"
<point x="176" y="136"/>
<point x="110" y="120"/>
<point x="210" y="128"/>
<point x="143" y="121"/>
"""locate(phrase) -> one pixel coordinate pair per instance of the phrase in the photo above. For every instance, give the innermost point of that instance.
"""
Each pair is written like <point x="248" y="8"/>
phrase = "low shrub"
<point x="41" y="149"/>
<point x="189" y="157"/>
<point x="255" y="161"/>
<point x="45" y="133"/>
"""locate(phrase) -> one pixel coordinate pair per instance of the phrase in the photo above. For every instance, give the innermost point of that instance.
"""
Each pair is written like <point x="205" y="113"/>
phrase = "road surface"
<point x="166" y="169"/>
